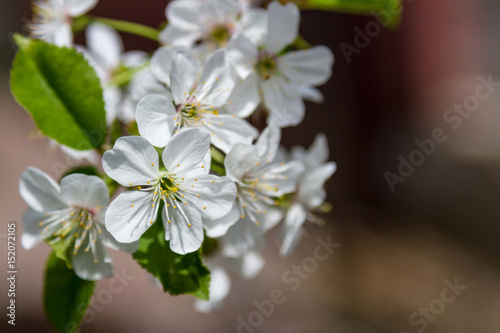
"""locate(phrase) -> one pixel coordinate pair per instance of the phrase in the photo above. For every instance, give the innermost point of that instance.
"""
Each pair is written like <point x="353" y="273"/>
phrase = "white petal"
<point x="286" y="183"/>
<point x="203" y="168"/>
<point x="268" y="143"/>
<point x="63" y="35"/>
<point x="133" y="160"/>
<point x="219" y="11"/>
<point x="312" y="192"/>
<point x="218" y="227"/>
<point x="213" y="196"/>
<point x="272" y="217"/>
<point x="254" y="25"/>
<point x="173" y="36"/>
<point x="161" y="62"/>
<point x="40" y="191"/>
<point x="311" y="94"/>
<point x="283" y="101"/>
<point x="85" y="266"/>
<point x="215" y="83"/>
<point x="248" y="265"/>
<point x="79" y="7"/>
<point x="244" y="97"/>
<point x="105" y="43"/>
<point x="84" y="191"/>
<point x="220" y="284"/>
<point x="186" y="150"/>
<point x="241" y="237"/>
<point x="112" y="99"/>
<point x="242" y="54"/>
<point x="291" y="231"/>
<point x="134" y="58"/>
<point x="182" y="76"/>
<point x="318" y="151"/>
<point x="241" y="159"/>
<point x="32" y="231"/>
<point x="185" y="230"/>
<point x="282" y="26"/>
<point x="155" y="119"/>
<point x="130" y="215"/>
<point x="183" y="14"/>
<point x="229" y="130"/>
<point x="112" y="243"/>
<point x="90" y="155"/>
<point x="307" y="67"/>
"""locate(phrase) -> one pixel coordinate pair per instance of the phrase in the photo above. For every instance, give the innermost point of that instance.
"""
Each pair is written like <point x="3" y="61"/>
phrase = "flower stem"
<point x="125" y="76"/>
<point x="129" y="27"/>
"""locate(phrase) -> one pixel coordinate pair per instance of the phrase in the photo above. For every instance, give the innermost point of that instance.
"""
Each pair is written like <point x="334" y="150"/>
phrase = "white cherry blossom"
<point x="210" y="23"/>
<point x="260" y="183"/>
<point x="310" y="193"/>
<point x="196" y="103"/>
<point x="52" y="19"/>
<point x="188" y="193"/>
<point x="105" y="53"/>
<point x="280" y="80"/>
<point x="75" y="211"/>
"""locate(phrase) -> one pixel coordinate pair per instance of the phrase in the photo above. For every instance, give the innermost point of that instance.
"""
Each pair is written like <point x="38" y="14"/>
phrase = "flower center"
<point x="73" y="223"/>
<point x="266" y="65"/>
<point x="220" y="35"/>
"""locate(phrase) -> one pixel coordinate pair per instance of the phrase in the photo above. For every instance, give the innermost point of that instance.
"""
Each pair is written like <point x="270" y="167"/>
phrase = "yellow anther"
<point x="189" y="225"/>
<point x="152" y="206"/>
<point x="130" y="184"/>
<point x="197" y="195"/>
<point x="213" y="181"/>
<point x="169" y="221"/>
<point x="151" y="222"/>
<point x="204" y="207"/>
<point x="242" y="216"/>
<point x="96" y="261"/>
<point x="149" y="182"/>
<point x="185" y="203"/>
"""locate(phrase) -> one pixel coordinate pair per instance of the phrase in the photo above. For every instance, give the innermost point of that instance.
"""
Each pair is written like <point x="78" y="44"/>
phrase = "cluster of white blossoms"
<point x="219" y="61"/>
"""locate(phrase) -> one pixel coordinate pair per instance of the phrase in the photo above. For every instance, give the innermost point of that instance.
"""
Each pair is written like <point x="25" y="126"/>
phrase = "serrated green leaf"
<point x="388" y="10"/>
<point x="179" y="274"/>
<point x="66" y="296"/>
<point x="61" y="91"/>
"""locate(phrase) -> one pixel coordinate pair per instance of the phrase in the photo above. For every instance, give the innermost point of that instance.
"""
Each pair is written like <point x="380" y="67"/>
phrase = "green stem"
<point x="217" y="155"/>
<point x="129" y="27"/>
<point x="125" y="76"/>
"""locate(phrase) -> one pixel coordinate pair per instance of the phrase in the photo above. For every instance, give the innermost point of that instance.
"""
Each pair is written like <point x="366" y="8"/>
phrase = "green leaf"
<point x="66" y="296"/>
<point x="388" y="10"/>
<point x="61" y="91"/>
<point x="179" y="274"/>
<point x="209" y="246"/>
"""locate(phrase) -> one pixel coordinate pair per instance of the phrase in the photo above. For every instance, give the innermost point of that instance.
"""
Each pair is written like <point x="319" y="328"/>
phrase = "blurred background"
<point x="398" y="247"/>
